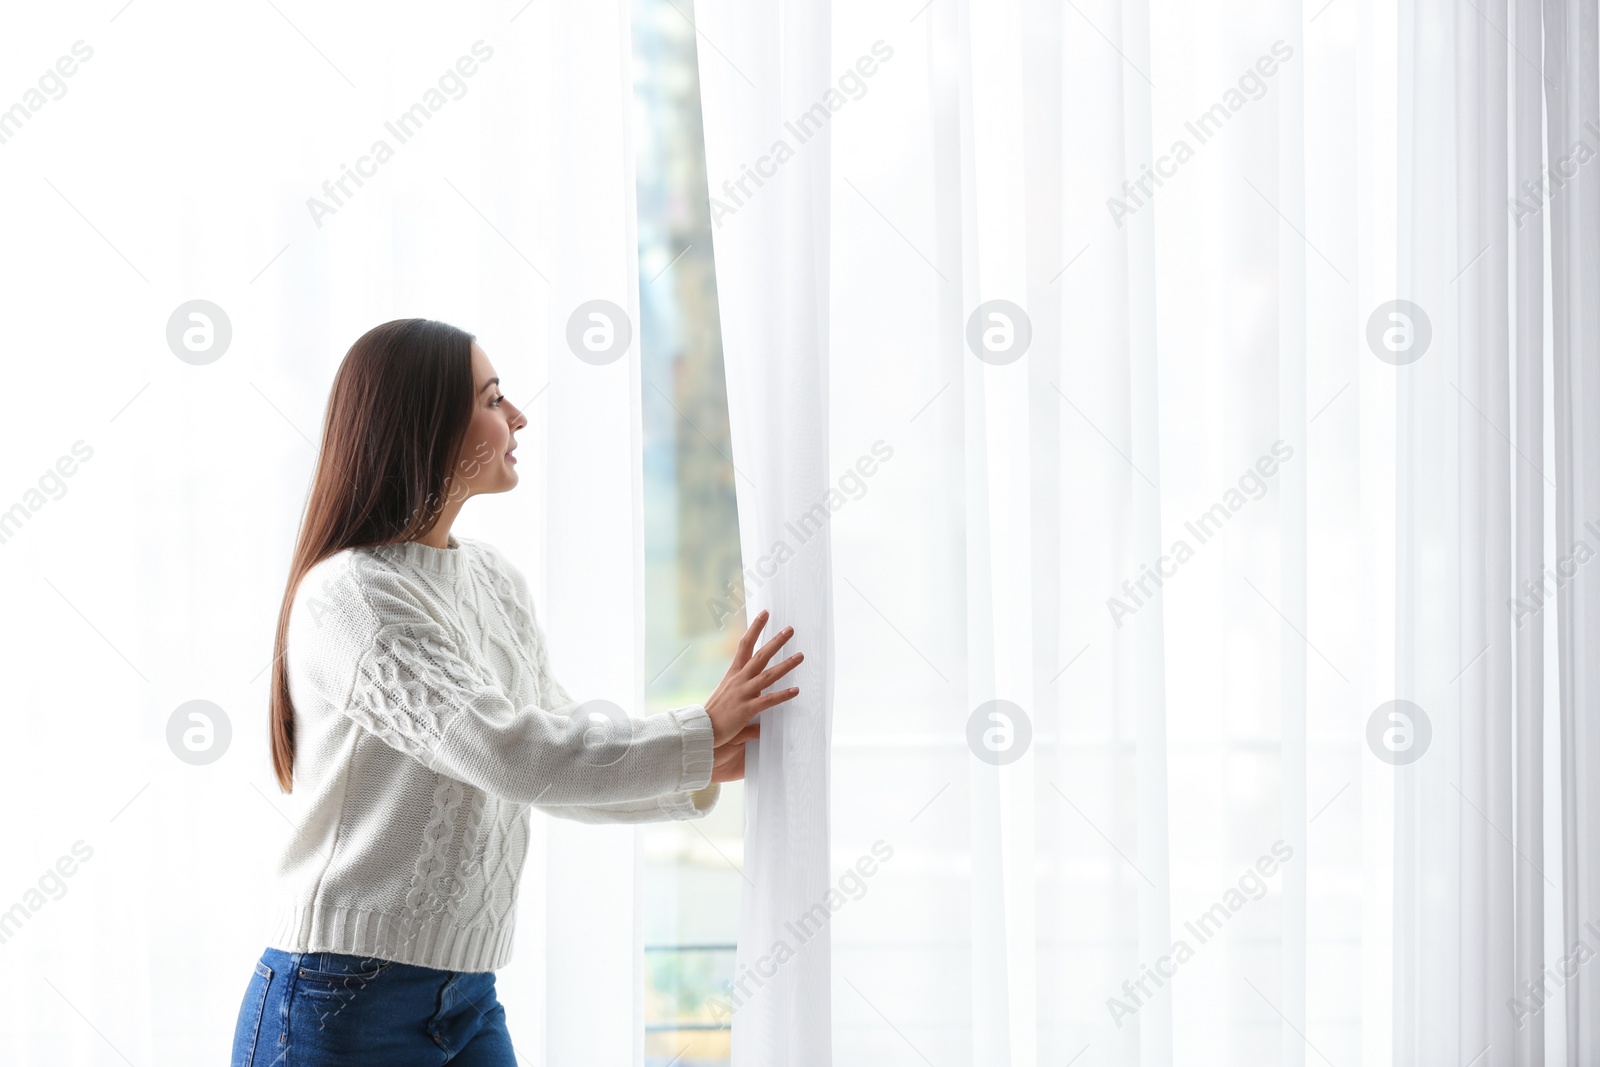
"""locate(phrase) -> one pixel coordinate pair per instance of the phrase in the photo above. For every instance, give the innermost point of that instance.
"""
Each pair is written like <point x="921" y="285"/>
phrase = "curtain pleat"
<point x="1528" y="478"/>
<point x="1291" y="361"/>
<point x="1000" y="526"/>
<point x="770" y="64"/>
<point x="1572" y="110"/>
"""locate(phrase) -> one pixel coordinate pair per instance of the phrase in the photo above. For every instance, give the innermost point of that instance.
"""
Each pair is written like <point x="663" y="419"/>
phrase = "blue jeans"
<point x="321" y="1009"/>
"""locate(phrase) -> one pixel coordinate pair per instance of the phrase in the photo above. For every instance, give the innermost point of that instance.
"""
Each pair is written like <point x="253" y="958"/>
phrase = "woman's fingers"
<point x="745" y="710"/>
<point x="731" y="771"/>
<point x="729" y="757"/>
<point x="772" y="674"/>
<point x="749" y="733"/>
<point x="770" y="649"/>
<point x="738" y="697"/>
<point x="769" y="700"/>
<point x="748" y="642"/>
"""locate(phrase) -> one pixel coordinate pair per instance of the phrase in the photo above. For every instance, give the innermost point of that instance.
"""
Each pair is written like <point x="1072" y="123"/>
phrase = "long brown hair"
<point x="396" y="421"/>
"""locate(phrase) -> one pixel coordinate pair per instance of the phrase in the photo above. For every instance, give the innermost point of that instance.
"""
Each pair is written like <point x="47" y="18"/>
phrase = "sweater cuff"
<point x="695" y="726"/>
<point x="690" y="805"/>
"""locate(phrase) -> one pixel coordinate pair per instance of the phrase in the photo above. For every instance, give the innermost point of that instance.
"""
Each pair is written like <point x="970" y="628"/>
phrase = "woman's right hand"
<point x="739" y="698"/>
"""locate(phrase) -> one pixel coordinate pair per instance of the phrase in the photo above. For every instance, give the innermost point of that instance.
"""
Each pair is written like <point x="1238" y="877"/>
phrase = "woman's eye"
<point x="499" y="398"/>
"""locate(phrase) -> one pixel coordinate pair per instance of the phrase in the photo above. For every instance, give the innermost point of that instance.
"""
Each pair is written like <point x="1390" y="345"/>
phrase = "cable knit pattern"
<point x="428" y="727"/>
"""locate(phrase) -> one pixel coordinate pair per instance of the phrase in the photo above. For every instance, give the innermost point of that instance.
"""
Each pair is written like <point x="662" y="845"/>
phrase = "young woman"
<point x="412" y="700"/>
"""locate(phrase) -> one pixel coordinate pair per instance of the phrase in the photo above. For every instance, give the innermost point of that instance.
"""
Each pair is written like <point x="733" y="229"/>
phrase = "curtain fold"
<point x="1289" y="355"/>
<point x="761" y="81"/>
<point x="1471" y="869"/>
<point x="1526" y="87"/>
<point x="1570" y="195"/>
<point x="1000" y="530"/>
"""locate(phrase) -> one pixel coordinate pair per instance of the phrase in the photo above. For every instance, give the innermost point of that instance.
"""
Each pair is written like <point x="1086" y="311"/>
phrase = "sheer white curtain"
<point x="1494" y="880"/>
<point x="1228" y="505"/>
<point x="1571" y="197"/>
<point x="591" y="517"/>
<point x="773" y="290"/>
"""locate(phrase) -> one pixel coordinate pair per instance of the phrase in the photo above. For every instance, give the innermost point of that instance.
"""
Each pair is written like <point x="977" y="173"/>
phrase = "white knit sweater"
<point x="427" y="727"/>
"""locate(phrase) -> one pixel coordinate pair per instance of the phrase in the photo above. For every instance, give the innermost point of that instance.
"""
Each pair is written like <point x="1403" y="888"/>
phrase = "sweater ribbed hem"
<point x="697" y="747"/>
<point x="379" y="935"/>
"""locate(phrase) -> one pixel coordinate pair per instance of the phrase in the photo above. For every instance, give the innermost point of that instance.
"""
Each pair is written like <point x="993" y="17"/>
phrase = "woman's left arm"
<point x="694" y="804"/>
<point x="727" y="765"/>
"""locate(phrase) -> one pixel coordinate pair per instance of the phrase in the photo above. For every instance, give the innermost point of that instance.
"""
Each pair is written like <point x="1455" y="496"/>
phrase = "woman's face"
<point x="486" y="464"/>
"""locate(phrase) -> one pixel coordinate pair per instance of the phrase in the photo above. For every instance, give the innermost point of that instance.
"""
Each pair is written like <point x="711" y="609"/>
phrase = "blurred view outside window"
<point x="693" y="616"/>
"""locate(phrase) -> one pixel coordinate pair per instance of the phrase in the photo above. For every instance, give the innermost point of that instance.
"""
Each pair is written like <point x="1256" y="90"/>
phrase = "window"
<point x="694" y="614"/>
